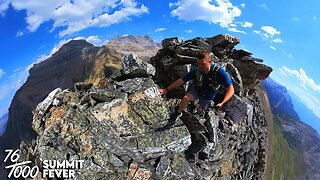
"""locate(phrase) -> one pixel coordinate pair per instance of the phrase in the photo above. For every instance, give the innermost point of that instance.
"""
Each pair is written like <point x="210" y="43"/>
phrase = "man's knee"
<point x="188" y="97"/>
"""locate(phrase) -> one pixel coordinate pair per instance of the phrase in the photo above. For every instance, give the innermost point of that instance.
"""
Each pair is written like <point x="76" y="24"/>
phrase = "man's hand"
<point x="218" y="106"/>
<point x="228" y="95"/>
<point x="163" y="91"/>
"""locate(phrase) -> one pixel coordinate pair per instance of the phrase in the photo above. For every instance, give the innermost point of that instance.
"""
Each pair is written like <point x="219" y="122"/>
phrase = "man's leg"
<point x="205" y="104"/>
<point x="183" y="104"/>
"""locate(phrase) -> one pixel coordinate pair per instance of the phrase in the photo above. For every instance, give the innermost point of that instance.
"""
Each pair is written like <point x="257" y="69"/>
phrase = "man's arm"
<point x="187" y="77"/>
<point x="227" y="96"/>
<point x="174" y="85"/>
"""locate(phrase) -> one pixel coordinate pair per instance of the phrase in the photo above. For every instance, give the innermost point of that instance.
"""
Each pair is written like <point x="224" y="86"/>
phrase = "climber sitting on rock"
<point x="207" y="79"/>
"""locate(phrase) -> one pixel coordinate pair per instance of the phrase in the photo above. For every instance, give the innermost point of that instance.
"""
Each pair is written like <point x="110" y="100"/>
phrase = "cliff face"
<point x="280" y="99"/>
<point x="116" y="126"/>
<point x="3" y="123"/>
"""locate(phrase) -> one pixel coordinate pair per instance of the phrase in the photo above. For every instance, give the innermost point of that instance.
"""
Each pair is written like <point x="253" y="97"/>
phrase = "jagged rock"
<point x="248" y="58"/>
<point x="186" y="51"/>
<point x="252" y="72"/>
<point x="185" y="60"/>
<point x="240" y="54"/>
<point x="224" y="41"/>
<point x="236" y="79"/>
<point x="139" y="84"/>
<point x="164" y="168"/>
<point x="82" y="86"/>
<point x="237" y="109"/>
<point x="131" y="85"/>
<point x="42" y="108"/>
<point x="199" y="43"/>
<point x="170" y="42"/>
<point x="132" y="66"/>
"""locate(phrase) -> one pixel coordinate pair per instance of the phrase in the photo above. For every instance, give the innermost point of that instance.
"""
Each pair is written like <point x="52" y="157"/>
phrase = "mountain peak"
<point x="130" y="39"/>
<point x="143" y="46"/>
<point x="280" y="98"/>
<point x="75" y="44"/>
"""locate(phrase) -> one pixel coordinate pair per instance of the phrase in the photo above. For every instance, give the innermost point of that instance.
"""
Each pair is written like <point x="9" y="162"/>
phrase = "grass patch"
<point x="285" y="159"/>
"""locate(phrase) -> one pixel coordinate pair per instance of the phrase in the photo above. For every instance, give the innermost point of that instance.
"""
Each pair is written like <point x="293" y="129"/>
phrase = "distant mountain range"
<point x="280" y="99"/>
<point x="142" y="46"/>
<point x="303" y="140"/>
<point x="305" y="114"/>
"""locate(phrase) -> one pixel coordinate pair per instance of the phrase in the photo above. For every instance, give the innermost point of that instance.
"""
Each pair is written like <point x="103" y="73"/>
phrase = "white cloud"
<point x="4" y="5"/>
<point x="282" y="72"/>
<point x="17" y="69"/>
<point x="93" y="40"/>
<point x="19" y="33"/>
<point x="236" y="30"/>
<point x="272" y="47"/>
<point x="290" y="55"/>
<point x="264" y="6"/>
<point x="75" y="15"/>
<point x="302" y="76"/>
<point x="300" y="84"/>
<point x="295" y="18"/>
<point x="223" y="13"/>
<point x="2" y="73"/>
<point x="269" y="31"/>
<point x="247" y="24"/>
<point x="308" y="100"/>
<point x="172" y="4"/>
<point x="243" y="5"/>
<point x="257" y="32"/>
<point x="188" y="31"/>
<point x="316" y="99"/>
<point x="315" y="18"/>
<point x="160" y="29"/>
<point x="277" y="40"/>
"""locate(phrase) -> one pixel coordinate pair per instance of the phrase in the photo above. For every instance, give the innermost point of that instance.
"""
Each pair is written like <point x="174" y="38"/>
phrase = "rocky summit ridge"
<point x="114" y="125"/>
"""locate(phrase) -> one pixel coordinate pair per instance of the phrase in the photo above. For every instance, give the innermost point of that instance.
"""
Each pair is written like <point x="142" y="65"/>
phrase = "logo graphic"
<point x="51" y="168"/>
<point x="19" y="169"/>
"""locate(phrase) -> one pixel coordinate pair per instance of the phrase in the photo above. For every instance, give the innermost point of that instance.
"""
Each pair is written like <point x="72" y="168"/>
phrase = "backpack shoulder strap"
<point x="214" y="70"/>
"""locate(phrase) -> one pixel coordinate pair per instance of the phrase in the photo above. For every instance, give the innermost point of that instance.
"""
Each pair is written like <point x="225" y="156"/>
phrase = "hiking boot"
<point x="173" y="119"/>
<point x="209" y="136"/>
<point x="203" y="156"/>
<point x="191" y="158"/>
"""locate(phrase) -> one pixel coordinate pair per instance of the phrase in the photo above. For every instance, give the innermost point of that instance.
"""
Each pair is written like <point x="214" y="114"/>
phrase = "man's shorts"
<point x="204" y="103"/>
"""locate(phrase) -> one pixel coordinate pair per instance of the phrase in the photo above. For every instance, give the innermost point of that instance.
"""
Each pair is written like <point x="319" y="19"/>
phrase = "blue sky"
<point x="284" y="34"/>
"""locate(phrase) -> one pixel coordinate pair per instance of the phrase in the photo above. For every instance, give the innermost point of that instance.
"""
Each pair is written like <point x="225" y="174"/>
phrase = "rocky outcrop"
<point x="177" y="58"/>
<point x="116" y="126"/>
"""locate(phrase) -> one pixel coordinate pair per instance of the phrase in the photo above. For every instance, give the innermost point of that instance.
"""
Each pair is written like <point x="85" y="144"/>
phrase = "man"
<point x="207" y="79"/>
